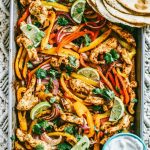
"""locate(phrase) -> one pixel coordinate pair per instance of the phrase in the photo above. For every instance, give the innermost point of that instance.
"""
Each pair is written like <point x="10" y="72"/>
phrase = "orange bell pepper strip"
<point x="111" y="79"/>
<point x="22" y="59"/>
<point x="82" y="62"/>
<point x="96" y="42"/>
<point x="68" y="136"/>
<point x="24" y="16"/>
<point x="72" y="37"/>
<point x="81" y="111"/>
<point x="65" y="88"/>
<point x="30" y="74"/>
<point x="106" y="81"/>
<point x="126" y="95"/>
<point x="25" y="69"/>
<point x="85" y="79"/>
<point x="44" y="41"/>
<point x="55" y="5"/>
<point x="62" y="52"/>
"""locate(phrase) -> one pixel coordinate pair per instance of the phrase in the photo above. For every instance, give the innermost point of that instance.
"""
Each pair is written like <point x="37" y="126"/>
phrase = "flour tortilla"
<point x="130" y="4"/>
<point x="127" y="17"/>
<point x="103" y="11"/>
<point x="118" y="6"/>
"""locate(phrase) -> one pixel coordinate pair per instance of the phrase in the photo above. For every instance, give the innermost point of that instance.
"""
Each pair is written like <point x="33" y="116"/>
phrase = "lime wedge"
<point x="33" y="33"/>
<point x="77" y="10"/>
<point x="89" y="73"/>
<point x="38" y="108"/>
<point x="118" y="110"/>
<point x="83" y="144"/>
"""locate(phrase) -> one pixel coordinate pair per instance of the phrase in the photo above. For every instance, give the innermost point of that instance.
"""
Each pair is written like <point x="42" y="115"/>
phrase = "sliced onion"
<point x="55" y="87"/>
<point x="29" y="21"/>
<point x="46" y="67"/>
<point x="44" y="81"/>
<point x="38" y="81"/>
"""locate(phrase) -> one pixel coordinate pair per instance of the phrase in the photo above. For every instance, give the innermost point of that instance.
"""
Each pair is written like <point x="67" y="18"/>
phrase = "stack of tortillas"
<point x="134" y="13"/>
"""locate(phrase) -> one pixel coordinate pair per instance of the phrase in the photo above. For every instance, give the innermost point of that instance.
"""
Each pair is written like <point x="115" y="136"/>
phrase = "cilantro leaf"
<point x="41" y="73"/>
<point x="111" y="56"/>
<point x="41" y="126"/>
<point x="69" y="69"/>
<point x="97" y="108"/>
<point x="53" y="73"/>
<point x="64" y="146"/>
<point x="62" y="21"/>
<point x="52" y="100"/>
<point x="70" y="129"/>
<point x="87" y="40"/>
<point x="106" y="93"/>
<point x="39" y="147"/>
<point x="29" y="65"/>
<point x="134" y="100"/>
<point x="72" y="61"/>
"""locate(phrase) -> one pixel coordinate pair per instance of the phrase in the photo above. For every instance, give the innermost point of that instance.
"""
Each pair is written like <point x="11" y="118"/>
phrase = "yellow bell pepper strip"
<point x="65" y="88"/>
<point x="17" y="63"/>
<point x="81" y="111"/>
<point x="22" y="59"/>
<point x="96" y="42"/>
<point x="55" y="5"/>
<point x="85" y="79"/>
<point x="68" y="136"/>
<point x="98" y="117"/>
<point x="132" y="52"/>
<point x="30" y="74"/>
<point x="62" y="52"/>
<point x="25" y="69"/>
<point x="120" y="73"/>
<point x="44" y="96"/>
<point x="44" y="41"/>
<point x="124" y="44"/>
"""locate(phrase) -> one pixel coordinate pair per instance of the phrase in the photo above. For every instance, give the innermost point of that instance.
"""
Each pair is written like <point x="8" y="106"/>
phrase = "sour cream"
<point x="125" y="142"/>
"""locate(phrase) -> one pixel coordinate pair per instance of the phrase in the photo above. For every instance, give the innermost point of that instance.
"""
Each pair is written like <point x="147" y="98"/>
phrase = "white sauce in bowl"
<point x="125" y="143"/>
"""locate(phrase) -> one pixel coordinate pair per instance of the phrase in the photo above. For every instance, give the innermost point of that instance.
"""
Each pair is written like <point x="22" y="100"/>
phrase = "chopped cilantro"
<point x="13" y="137"/>
<point x="29" y="28"/>
<point x="96" y="130"/>
<point x="87" y="40"/>
<point x="69" y="69"/>
<point x="79" y="41"/>
<point x="53" y="73"/>
<point x="62" y="21"/>
<point x="106" y="93"/>
<point x="30" y="46"/>
<point x="37" y="24"/>
<point x="134" y="100"/>
<point x="41" y="126"/>
<point x="97" y="108"/>
<point x="111" y="56"/>
<point x="41" y="73"/>
<point x="72" y="60"/>
<point x="64" y="146"/>
<point x="39" y="147"/>
<point x="56" y="121"/>
<point x="52" y="100"/>
<point x="117" y="89"/>
<point x="70" y="129"/>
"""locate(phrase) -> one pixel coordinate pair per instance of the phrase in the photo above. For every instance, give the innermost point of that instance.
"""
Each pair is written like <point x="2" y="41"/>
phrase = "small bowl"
<point x="124" y="134"/>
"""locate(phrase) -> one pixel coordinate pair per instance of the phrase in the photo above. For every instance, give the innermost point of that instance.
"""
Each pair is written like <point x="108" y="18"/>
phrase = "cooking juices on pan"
<point x="75" y="77"/>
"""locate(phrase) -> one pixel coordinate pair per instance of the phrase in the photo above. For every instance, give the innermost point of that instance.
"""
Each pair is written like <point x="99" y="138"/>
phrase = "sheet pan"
<point x="12" y="123"/>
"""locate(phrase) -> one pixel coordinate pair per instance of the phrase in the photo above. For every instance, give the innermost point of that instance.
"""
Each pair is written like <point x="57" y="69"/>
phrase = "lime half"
<point x="83" y="144"/>
<point x="89" y="73"/>
<point x="118" y="110"/>
<point x="33" y="33"/>
<point x="38" y="108"/>
<point x="77" y="10"/>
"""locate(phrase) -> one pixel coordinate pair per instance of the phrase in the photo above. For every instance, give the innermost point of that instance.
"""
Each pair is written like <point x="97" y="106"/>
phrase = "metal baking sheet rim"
<point x="11" y="96"/>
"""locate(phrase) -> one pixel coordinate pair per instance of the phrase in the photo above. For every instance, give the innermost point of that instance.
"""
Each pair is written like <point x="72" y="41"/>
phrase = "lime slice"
<point x="77" y="10"/>
<point x="33" y="33"/>
<point x="38" y="108"/>
<point x="89" y="73"/>
<point x="118" y="110"/>
<point x="83" y="144"/>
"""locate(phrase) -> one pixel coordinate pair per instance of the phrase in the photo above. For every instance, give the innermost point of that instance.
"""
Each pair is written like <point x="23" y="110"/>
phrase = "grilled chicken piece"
<point x="39" y="11"/>
<point x="80" y="86"/>
<point x="122" y="33"/>
<point x="22" y="40"/>
<point x="69" y="117"/>
<point x="28" y="100"/>
<point x="94" y="100"/>
<point x="105" y="47"/>
<point x="123" y="123"/>
<point x="33" y="142"/>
